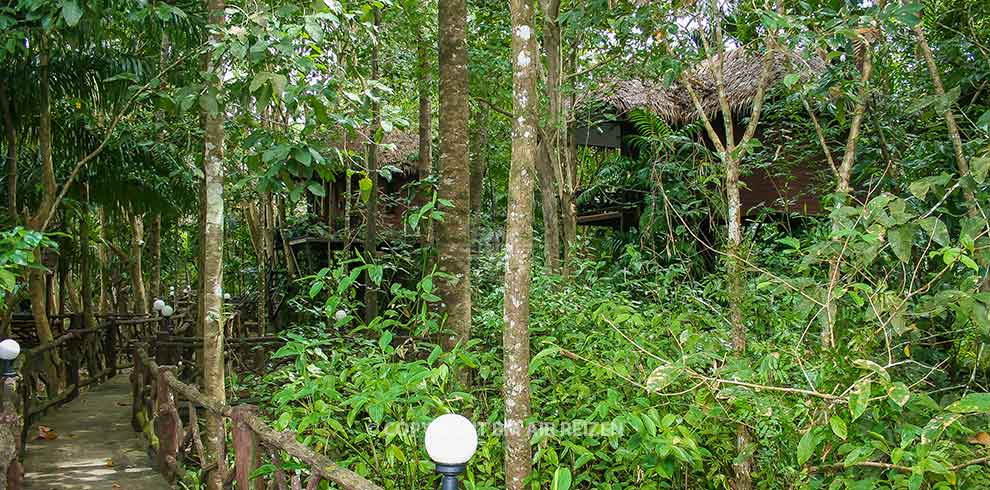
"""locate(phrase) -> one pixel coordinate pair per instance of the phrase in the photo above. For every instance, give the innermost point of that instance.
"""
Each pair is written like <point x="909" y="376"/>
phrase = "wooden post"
<point x="73" y="356"/>
<point x="168" y="427"/>
<point x="11" y="426"/>
<point x="137" y="385"/>
<point x="247" y="456"/>
<point x="111" y="347"/>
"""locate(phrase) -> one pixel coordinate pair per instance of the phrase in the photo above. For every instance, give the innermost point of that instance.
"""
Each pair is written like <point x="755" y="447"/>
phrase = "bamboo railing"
<point x="155" y="393"/>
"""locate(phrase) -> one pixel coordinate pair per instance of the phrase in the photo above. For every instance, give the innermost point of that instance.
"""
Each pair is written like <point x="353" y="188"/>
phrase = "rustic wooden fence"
<point x="156" y="397"/>
<point x="51" y="375"/>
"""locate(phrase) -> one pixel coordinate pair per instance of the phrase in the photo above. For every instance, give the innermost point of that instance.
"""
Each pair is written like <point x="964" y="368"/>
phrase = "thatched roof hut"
<point x="741" y="71"/>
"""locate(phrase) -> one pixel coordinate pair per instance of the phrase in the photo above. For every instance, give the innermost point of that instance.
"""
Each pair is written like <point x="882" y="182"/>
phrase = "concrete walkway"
<point x="95" y="448"/>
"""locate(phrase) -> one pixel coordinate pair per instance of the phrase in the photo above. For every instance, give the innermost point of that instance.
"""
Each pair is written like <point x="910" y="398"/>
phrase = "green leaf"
<point x="806" y="446"/>
<point x="901" y="240"/>
<point x="208" y="103"/>
<point x="899" y="394"/>
<point x="561" y="479"/>
<point x="979" y="167"/>
<point x="385" y="340"/>
<point x="971" y="403"/>
<point x="838" y="426"/>
<point x="302" y="155"/>
<point x="790" y="79"/>
<point x="317" y="189"/>
<point x="662" y="377"/>
<point x="71" y="12"/>
<point x="860" y="399"/>
<point x="315" y="289"/>
<point x="872" y="366"/>
<point x="937" y="229"/>
<point x="365" y="184"/>
<point x="278" y="84"/>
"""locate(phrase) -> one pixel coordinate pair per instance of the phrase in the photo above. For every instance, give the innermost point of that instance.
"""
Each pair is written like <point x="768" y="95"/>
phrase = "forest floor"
<point x="94" y="447"/>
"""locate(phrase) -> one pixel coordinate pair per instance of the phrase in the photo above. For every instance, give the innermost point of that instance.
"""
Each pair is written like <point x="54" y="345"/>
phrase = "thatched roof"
<point x="398" y="148"/>
<point x="741" y="71"/>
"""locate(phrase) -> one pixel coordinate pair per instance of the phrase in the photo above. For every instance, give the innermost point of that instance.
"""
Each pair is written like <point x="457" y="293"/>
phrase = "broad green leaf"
<point x="561" y="479"/>
<point x="838" y="426"/>
<point x="365" y="184"/>
<point x="860" y="399"/>
<point x="979" y="167"/>
<point x="71" y="12"/>
<point x="899" y="394"/>
<point x="806" y="447"/>
<point x="317" y="189"/>
<point x="662" y="377"/>
<point x="901" y="240"/>
<point x="872" y="366"/>
<point x="937" y="229"/>
<point x="971" y="403"/>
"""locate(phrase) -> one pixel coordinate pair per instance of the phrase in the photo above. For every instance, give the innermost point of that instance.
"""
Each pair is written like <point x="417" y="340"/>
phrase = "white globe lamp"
<point x="451" y="440"/>
<point x="167" y="311"/>
<point x="9" y="350"/>
<point x="158" y="305"/>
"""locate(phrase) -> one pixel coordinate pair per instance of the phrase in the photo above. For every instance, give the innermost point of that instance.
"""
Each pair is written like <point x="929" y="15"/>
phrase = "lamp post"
<point x="451" y="440"/>
<point x="9" y="350"/>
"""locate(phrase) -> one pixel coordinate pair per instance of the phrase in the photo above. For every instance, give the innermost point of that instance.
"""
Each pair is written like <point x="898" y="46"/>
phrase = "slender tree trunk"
<point x="137" y="271"/>
<point x="85" y="262"/>
<point x="37" y="284"/>
<point x="962" y="165"/>
<point x="155" y="249"/>
<point x="519" y="246"/>
<point x="103" y="255"/>
<point x="454" y="232"/>
<point x="479" y="164"/>
<point x="212" y="292"/>
<point x="551" y="211"/>
<point x="256" y="219"/>
<point x="10" y="135"/>
<point x="425" y="162"/>
<point x="843" y="187"/>
<point x="371" y="225"/>
<point x="290" y="259"/>
<point x="552" y="154"/>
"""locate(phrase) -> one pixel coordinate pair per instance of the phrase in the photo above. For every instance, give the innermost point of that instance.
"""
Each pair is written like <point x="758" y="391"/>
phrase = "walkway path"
<point x="95" y="448"/>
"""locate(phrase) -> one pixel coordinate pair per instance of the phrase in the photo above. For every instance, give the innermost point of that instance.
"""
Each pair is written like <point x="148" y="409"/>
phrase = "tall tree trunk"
<point x="551" y="210"/>
<point x="212" y="292"/>
<point x="155" y="249"/>
<point x="371" y="225"/>
<point x="552" y="155"/>
<point x="85" y="262"/>
<point x="137" y="271"/>
<point x="37" y="284"/>
<point x="454" y="232"/>
<point x="10" y="135"/>
<point x="519" y="246"/>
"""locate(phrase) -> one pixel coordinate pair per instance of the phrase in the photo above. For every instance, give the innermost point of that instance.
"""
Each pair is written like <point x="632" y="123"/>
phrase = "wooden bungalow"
<point x="397" y="156"/>
<point x="790" y="188"/>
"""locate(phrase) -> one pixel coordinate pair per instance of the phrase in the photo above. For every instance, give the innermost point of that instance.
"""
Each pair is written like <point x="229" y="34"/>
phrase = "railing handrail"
<point x="320" y="466"/>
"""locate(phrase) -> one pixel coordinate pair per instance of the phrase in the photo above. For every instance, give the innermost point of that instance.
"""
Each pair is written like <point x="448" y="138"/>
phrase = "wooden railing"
<point x="156" y="394"/>
<point x="51" y="375"/>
